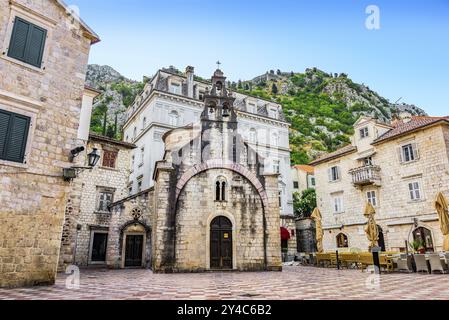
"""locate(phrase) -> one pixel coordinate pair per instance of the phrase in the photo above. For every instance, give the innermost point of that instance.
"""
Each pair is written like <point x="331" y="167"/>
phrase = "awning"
<point x="285" y="234"/>
<point x="365" y="154"/>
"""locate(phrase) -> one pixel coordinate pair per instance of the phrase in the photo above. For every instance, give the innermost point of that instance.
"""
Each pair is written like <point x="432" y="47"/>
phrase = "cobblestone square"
<point x="294" y="283"/>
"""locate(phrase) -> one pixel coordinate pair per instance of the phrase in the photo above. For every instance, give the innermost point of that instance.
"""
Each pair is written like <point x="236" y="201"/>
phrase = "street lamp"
<point x="73" y="172"/>
<point x="93" y="158"/>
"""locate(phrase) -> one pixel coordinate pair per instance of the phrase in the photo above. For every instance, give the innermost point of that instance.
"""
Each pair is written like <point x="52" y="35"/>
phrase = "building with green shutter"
<point x="43" y="61"/>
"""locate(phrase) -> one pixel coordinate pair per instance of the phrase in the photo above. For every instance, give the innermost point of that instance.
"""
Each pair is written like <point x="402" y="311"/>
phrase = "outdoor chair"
<point x="421" y="263"/>
<point x="404" y="265"/>
<point x="436" y="264"/>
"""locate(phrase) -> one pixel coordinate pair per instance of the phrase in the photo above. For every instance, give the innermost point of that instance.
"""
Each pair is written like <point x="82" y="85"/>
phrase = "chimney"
<point x="406" y="117"/>
<point x="190" y="73"/>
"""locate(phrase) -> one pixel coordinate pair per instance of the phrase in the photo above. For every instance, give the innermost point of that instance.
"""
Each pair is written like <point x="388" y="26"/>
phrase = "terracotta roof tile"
<point x="402" y="127"/>
<point x="338" y="153"/>
<point x="305" y="168"/>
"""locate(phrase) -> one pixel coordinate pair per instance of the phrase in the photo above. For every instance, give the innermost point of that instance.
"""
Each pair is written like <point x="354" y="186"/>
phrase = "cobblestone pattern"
<point x="294" y="283"/>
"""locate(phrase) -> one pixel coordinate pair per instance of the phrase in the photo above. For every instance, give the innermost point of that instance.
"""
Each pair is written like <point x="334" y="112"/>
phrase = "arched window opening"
<point x="173" y="118"/>
<point x="223" y="191"/>
<point x="220" y="189"/>
<point x="342" y="241"/>
<point x="423" y="240"/>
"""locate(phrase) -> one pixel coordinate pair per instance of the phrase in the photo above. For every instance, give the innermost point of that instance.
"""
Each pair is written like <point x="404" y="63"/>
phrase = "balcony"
<point x="366" y="175"/>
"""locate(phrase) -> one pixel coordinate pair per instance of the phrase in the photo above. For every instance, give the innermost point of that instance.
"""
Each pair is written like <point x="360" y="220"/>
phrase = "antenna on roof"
<point x="398" y="100"/>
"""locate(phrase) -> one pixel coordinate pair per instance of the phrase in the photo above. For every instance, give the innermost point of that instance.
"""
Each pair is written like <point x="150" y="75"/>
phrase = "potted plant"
<point x="418" y="247"/>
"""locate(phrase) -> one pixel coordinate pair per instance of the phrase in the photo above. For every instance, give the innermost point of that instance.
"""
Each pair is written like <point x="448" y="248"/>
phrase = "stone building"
<point x="212" y="206"/>
<point x="303" y="177"/>
<point x="88" y="217"/>
<point x="172" y="99"/>
<point x="399" y="168"/>
<point x="43" y="62"/>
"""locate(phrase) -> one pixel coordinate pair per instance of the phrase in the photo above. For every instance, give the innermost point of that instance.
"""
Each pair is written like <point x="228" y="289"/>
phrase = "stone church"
<point x="211" y="207"/>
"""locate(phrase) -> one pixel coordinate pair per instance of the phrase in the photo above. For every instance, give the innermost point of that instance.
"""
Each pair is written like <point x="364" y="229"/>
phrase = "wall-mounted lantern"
<point x="92" y="160"/>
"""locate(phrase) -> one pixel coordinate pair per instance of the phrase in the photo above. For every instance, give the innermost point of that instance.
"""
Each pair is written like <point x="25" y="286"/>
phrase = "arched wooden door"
<point x="221" y="244"/>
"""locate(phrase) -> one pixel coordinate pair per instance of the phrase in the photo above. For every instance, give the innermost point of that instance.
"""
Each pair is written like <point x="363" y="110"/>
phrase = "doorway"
<point x="134" y="250"/>
<point x="99" y="246"/>
<point x="221" y="244"/>
<point x="424" y="237"/>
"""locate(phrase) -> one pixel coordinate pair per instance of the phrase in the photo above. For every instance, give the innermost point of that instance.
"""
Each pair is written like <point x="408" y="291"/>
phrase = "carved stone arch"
<point x="128" y="224"/>
<point x="219" y="164"/>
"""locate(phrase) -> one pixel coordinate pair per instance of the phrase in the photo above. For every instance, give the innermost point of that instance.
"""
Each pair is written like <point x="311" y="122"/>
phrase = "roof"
<point x="336" y="154"/>
<point x="89" y="88"/>
<point x="94" y="37"/>
<point x="403" y="127"/>
<point x="305" y="168"/>
<point x="134" y="196"/>
<point x="94" y="136"/>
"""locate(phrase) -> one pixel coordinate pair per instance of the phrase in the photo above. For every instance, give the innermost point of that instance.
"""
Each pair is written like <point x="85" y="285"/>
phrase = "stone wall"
<point x="83" y="217"/>
<point x="33" y="195"/>
<point x="133" y="214"/>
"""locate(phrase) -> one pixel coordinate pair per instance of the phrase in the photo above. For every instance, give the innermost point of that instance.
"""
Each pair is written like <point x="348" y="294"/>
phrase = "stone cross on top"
<point x="218" y="64"/>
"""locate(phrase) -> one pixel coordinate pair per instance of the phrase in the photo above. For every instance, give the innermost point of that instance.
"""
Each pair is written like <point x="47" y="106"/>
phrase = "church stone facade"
<point x="213" y="209"/>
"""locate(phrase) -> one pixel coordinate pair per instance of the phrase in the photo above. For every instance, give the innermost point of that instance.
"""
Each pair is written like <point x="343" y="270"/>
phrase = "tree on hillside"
<point x="274" y="89"/>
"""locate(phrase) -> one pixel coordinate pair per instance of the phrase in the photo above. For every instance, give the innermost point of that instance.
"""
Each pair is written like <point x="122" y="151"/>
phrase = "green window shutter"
<point x="27" y="42"/>
<point x="36" y="46"/>
<point x="13" y="136"/>
<point x="4" y="125"/>
<point x="17" y="46"/>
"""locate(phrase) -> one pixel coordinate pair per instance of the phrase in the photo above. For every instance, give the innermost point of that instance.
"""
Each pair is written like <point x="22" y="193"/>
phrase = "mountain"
<point x="321" y="107"/>
<point x="118" y="93"/>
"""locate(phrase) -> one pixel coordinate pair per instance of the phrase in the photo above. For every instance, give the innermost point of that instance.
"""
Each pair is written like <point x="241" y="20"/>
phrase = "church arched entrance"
<point x="221" y="243"/>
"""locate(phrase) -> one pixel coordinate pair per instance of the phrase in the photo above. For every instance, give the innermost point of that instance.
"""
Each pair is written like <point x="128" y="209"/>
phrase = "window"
<point x="409" y="153"/>
<point x="109" y="158"/>
<point x="295" y="185"/>
<point x="280" y="199"/>
<point x="201" y="95"/>
<point x="342" y="241"/>
<point x="144" y="123"/>
<point x="105" y="199"/>
<point x="173" y="118"/>
<point x="135" y="134"/>
<point x="334" y="174"/>
<point x="276" y="166"/>
<point x="133" y="162"/>
<point x="274" y="113"/>
<point x="368" y="161"/>
<point x="175" y="88"/>
<point x="220" y="189"/>
<point x="27" y="42"/>
<point x="371" y="196"/>
<point x="364" y="133"/>
<point x="142" y="156"/>
<point x="13" y="136"/>
<point x="252" y="108"/>
<point x="275" y="139"/>
<point x="338" y="204"/>
<point x="130" y="190"/>
<point x="139" y="185"/>
<point x="415" y="191"/>
<point x="99" y="246"/>
<point x="312" y="181"/>
<point x="253" y="136"/>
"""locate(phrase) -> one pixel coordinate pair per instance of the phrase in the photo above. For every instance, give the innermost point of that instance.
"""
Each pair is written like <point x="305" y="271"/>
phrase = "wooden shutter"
<point x="329" y="174"/>
<point x="17" y="139"/>
<point x="4" y="125"/>
<point x="17" y="46"/>
<point x="27" y="42"/>
<point x="36" y="43"/>
<point x="415" y="151"/>
<point x="400" y="155"/>
<point x="13" y="136"/>
<point x="109" y="158"/>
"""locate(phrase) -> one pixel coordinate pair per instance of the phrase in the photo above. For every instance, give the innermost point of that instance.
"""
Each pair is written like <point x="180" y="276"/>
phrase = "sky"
<point x="406" y="57"/>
